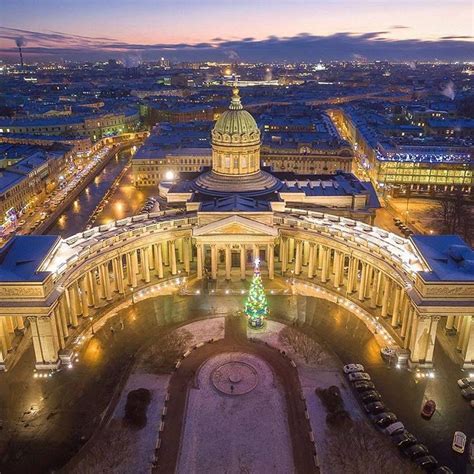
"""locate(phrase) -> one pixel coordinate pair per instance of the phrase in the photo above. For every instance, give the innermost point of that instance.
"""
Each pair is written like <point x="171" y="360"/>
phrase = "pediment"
<point x="235" y="225"/>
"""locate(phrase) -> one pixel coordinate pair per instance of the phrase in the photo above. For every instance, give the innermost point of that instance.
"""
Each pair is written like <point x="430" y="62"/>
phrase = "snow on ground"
<point x="121" y="449"/>
<point x="204" y="330"/>
<point x="236" y="433"/>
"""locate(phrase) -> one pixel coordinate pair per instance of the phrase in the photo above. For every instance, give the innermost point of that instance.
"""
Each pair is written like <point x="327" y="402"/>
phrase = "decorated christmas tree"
<point x="256" y="305"/>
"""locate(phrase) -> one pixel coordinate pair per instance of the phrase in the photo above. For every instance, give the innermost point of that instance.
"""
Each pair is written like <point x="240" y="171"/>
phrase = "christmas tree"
<point x="256" y="305"/>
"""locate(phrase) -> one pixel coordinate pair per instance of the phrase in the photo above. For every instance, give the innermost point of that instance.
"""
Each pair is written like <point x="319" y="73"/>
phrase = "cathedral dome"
<point x="235" y="126"/>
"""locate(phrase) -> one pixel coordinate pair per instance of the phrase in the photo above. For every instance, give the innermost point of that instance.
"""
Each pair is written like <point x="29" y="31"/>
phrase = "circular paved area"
<point x="235" y="378"/>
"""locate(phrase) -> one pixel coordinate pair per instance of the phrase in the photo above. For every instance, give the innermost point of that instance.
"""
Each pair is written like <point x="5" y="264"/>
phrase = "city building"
<point x="396" y="162"/>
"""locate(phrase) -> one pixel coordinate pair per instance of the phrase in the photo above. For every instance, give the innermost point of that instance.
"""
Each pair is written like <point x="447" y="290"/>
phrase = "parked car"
<point x="467" y="393"/>
<point x="375" y="407"/>
<point x="442" y="470"/>
<point x="403" y="440"/>
<point x="459" y="442"/>
<point x="428" y="409"/>
<point x="363" y="386"/>
<point x="415" y="451"/>
<point x="465" y="382"/>
<point x="394" y="428"/>
<point x="382" y="420"/>
<point x="359" y="376"/>
<point x="428" y="463"/>
<point x="351" y="368"/>
<point x="371" y="396"/>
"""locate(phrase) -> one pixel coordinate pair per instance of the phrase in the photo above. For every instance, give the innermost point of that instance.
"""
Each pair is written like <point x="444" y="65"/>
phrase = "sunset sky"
<point x="147" y="28"/>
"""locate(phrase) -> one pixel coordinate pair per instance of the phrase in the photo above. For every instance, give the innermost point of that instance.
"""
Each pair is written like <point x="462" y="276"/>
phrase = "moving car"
<point x="465" y="382"/>
<point x="403" y="440"/>
<point x="415" y="451"/>
<point x="374" y="407"/>
<point x="363" y="386"/>
<point x="459" y="442"/>
<point x="428" y="463"/>
<point x="359" y="376"/>
<point x="351" y="368"/>
<point x="442" y="470"/>
<point x="428" y="409"/>
<point x="467" y="393"/>
<point x="371" y="396"/>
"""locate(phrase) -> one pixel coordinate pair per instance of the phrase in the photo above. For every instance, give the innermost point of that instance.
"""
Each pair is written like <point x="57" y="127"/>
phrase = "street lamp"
<point x="91" y="319"/>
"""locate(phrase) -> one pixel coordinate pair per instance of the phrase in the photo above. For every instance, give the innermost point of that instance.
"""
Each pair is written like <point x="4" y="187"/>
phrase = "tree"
<point x="256" y="305"/>
<point x="456" y="212"/>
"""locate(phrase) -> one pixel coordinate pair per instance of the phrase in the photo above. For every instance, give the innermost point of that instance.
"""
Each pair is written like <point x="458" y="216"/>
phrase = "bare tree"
<point x="457" y="212"/>
<point x="301" y="344"/>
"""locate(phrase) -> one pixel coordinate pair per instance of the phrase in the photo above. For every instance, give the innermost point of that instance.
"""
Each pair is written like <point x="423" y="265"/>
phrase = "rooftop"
<point x="448" y="257"/>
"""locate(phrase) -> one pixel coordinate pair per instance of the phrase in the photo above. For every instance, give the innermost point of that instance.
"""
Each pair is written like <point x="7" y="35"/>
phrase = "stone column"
<point x="94" y="290"/>
<point x="449" y="322"/>
<point x="422" y="339"/>
<point x="396" y="306"/>
<point x="159" y="261"/>
<point x="45" y="340"/>
<point x="298" y="262"/>
<point x="386" y="298"/>
<point x="373" y="290"/>
<point x="84" y="297"/>
<point x="20" y="323"/>
<point x="59" y="327"/>
<point x="291" y="249"/>
<point x="134" y="268"/>
<point x="325" y="269"/>
<point x="321" y="255"/>
<point x="271" y="261"/>
<point x="363" y="280"/>
<point x="179" y="245"/>
<point x="199" y="262"/>
<point x="187" y="255"/>
<point x="71" y="303"/>
<point x="468" y="343"/>
<point x="213" y="261"/>
<point x="350" y="274"/>
<point x="63" y="315"/>
<point x="166" y="253"/>
<point x="145" y="265"/>
<point x="338" y="260"/>
<point x="462" y="332"/>
<point x="242" y="261"/>
<point x="5" y="339"/>
<point x="173" y="258"/>
<point x="405" y="319"/>
<point x="118" y="271"/>
<point x="104" y="270"/>
<point x="311" y="260"/>
<point x="284" y="262"/>
<point x="227" y="261"/>
<point x="305" y="252"/>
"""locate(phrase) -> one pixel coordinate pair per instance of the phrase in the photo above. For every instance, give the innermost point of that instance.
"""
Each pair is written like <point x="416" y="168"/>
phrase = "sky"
<point x="247" y="30"/>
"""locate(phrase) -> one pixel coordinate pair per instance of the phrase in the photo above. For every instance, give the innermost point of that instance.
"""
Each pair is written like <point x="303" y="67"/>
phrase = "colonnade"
<point x="118" y="274"/>
<point x="356" y="273"/>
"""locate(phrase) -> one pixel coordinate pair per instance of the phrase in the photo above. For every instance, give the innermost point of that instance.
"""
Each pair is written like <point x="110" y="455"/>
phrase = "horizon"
<point x="300" y="31"/>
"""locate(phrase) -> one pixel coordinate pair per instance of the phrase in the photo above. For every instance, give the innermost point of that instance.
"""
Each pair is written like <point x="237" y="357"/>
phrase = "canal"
<point x="75" y="217"/>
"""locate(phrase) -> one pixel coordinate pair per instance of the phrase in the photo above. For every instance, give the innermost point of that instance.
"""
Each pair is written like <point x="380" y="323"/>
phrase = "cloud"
<point x="302" y="47"/>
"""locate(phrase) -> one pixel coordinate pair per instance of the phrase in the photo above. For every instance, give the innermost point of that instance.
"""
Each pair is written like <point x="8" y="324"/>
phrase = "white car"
<point x="351" y="368"/>
<point x="354" y="377"/>
<point x="459" y="442"/>
<point x="465" y="382"/>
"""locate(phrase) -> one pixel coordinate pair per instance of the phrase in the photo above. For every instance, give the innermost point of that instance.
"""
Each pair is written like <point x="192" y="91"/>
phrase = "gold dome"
<point x="236" y="125"/>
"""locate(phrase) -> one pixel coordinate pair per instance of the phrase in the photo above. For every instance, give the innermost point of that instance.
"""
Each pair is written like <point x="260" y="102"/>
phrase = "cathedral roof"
<point x="235" y="125"/>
